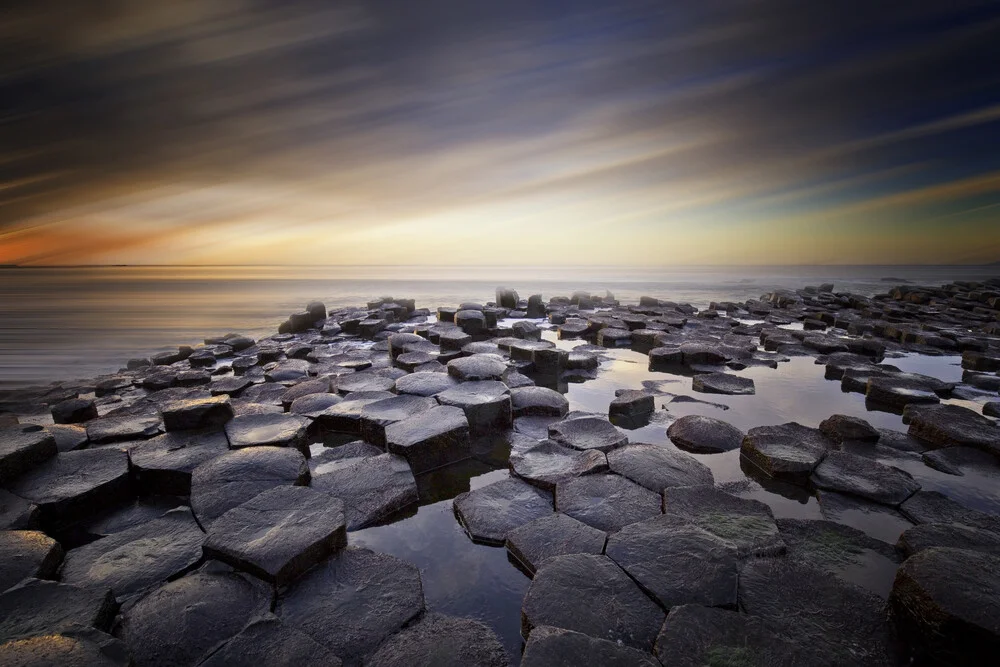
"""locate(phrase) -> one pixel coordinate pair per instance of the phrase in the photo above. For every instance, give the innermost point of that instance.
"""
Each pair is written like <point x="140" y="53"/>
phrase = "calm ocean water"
<point x="67" y="323"/>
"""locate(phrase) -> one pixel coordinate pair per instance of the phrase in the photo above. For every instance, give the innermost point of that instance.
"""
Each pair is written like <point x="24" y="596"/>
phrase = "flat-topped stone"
<point x="353" y="602"/>
<point x="953" y="425"/>
<point x="38" y="607"/>
<point x="431" y="439"/>
<point x="556" y="647"/>
<point x="229" y="480"/>
<point x="677" y="563"/>
<point x="211" y="412"/>
<point x="68" y="436"/>
<point x="491" y="512"/>
<point x="477" y="367"/>
<point x="704" y="435"/>
<point x="657" y="467"/>
<point x="554" y="534"/>
<point x="548" y="463"/>
<point x="587" y="433"/>
<point x="606" y="502"/>
<point x="74" y="411"/>
<point x="377" y="416"/>
<point x="535" y="401"/>
<point x="951" y="535"/>
<point x="747" y="524"/>
<point x="860" y="476"/>
<point x="425" y="383"/>
<point x="590" y="594"/>
<point x="75" y="646"/>
<point x="23" y="447"/>
<point x="366" y="381"/>
<point x="345" y="416"/>
<point x="163" y="465"/>
<point x="269" y="641"/>
<point x="268" y="430"/>
<point x="437" y="640"/>
<point x="279" y="534"/>
<point x="117" y="429"/>
<point x="722" y="383"/>
<point x="841" y="428"/>
<point x="787" y="452"/>
<point x="487" y="405"/>
<point x="371" y="488"/>
<point x="27" y="554"/>
<point x="329" y="459"/>
<point x="935" y="507"/>
<point x="136" y="559"/>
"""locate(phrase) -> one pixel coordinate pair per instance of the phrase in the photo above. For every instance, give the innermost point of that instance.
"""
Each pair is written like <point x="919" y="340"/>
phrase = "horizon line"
<point x="483" y="266"/>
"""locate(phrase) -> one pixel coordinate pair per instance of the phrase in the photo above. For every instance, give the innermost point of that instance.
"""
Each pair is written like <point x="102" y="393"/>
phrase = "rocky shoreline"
<point x="197" y="507"/>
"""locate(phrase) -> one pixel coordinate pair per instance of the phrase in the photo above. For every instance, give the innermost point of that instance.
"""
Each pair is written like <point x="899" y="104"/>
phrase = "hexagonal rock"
<point x="553" y="535"/>
<point x="39" y="607"/>
<point x="68" y="436"/>
<point x="787" y="452"/>
<point x="138" y="558"/>
<point x="211" y="412"/>
<point x="345" y="416"/>
<point x="945" y="605"/>
<point x="538" y="401"/>
<point x="425" y="383"/>
<point x="16" y="513"/>
<point x="959" y="460"/>
<point x="76" y="646"/>
<point x="371" y="488"/>
<point x="313" y="405"/>
<point x="657" y="467"/>
<point x="477" y="367"/>
<point x="75" y="484"/>
<point x="306" y="388"/>
<point x="116" y="429"/>
<point x="279" y="534"/>
<point x="748" y="524"/>
<point x="268" y="641"/>
<point x="843" y="551"/>
<point x="935" y="507"/>
<point x="898" y="392"/>
<point x="179" y="622"/>
<point x="587" y="433"/>
<point x="268" y="430"/>
<point x="591" y="595"/>
<point x="377" y="416"/>
<point x="860" y="476"/>
<point x="841" y="428"/>
<point x="229" y="480"/>
<point x="487" y="405"/>
<point x="22" y="448"/>
<point x="694" y="636"/>
<point x="722" y="383"/>
<point x="27" y="553"/>
<point x="951" y="425"/>
<point x="431" y="439"/>
<point x="606" y="502"/>
<point x="471" y="322"/>
<point x="491" y="512"/>
<point x="353" y="602"/>
<point x="334" y="458"/>
<point x="268" y="393"/>
<point x="437" y="640"/>
<point x="364" y="381"/>
<point x="74" y="411"/>
<point x="848" y="621"/>
<point x="548" y="463"/>
<point x="704" y="435"/>
<point x="631" y="404"/>
<point x="677" y="563"/>
<point x="555" y="647"/>
<point x="163" y="465"/>
<point x="950" y="535"/>
<point x="880" y="521"/>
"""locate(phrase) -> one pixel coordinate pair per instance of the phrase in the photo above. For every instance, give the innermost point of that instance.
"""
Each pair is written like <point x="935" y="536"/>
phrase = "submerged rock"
<point x="606" y="502"/>
<point x="353" y="602"/>
<point x="553" y="535"/>
<point x="555" y="647"/>
<point x="704" y="435"/>
<point x="946" y="605"/>
<point x="437" y="640"/>
<point x="29" y="554"/>
<point x="590" y="594"/>
<point x="722" y="383"/>
<point x="860" y="476"/>
<point x="372" y="488"/>
<point x="657" y="467"/>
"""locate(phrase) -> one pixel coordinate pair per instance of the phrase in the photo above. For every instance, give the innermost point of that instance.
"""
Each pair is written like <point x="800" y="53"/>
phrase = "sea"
<point x="62" y="323"/>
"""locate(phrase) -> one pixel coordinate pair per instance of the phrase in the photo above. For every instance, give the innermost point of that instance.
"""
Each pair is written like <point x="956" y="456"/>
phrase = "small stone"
<point x="491" y="512"/>
<point x="231" y="386"/>
<point x="590" y="594"/>
<point x="268" y="641"/>
<point x="841" y="428"/>
<point x="657" y="467"/>
<point x="471" y="322"/>
<point x="606" y="502"/>
<point x="431" y="439"/>
<point x="279" y="534"/>
<point x="722" y="383"/>
<point x="74" y="411"/>
<point x="787" y="452"/>
<point x="704" y="435"/>
<point x="437" y="640"/>
<point x="898" y="392"/>
<point x="27" y="554"/>
<point x="353" y="602"/>
<point x="267" y="430"/>
<point x="371" y="489"/>
<point x="22" y="448"/>
<point x="860" y="476"/>
<point x="555" y="647"/>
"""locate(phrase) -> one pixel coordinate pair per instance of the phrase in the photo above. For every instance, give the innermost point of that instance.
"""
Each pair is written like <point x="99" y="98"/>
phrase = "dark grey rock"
<point x="946" y="606"/>
<point x="787" y="452"/>
<point x="848" y="621"/>
<point x="135" y="513"/>
<point x="38" y="607"/>
<point x="959" y="460"/>
<point x="590" y="594"/>
<point x="75" y="646"/>
<point x="73" y="485"/>
<point x="548" y="463"/>
<point x="288" y="370"/>
<point x="657" y="467"/>
<point x="117" y="429"/>
<point x="631" y="408"/>
<point x="313" y="405"/>
<point x="898" y="392"/>
<point x="860" y="476"/>
<point x="138" y="558"/>
<point x="345" y="416"/>
<point x="196" y="413"/>
<point x="880" y="521"/>
<point x="704" y="435"/>
<point x="841" y="428"/>
<point x="722" y="383"/>
<point x="487" y="405"/>
<point x="68" y="436"/>
<point x="279" y="534"/>
<point x="74" y="411"/>
<point x="431" y="439"/>
<point x="229" y="480"/>
<point x="477" y="367"/>
<point x="371" y="488"/>
<point x="491" y="512"/>
<point x="471" y="322"/>
<point x="900" y="441"/>
<point x="364" y="381"/>
<point x="317" y="386"/>
<point x="677" y="563"/>
<point x="437" y="640"/>
<point x="538" y="401"/>
<point x="27" y="554"/>
<point x="555" y="647"/>
<point x="606" y="502"/>
<point x="587" y="433"/>
<point x="953" y="425"/>
<point x="163" y="465"/>
<point x="353" y="602"/>
<point x="233" y="386"/>
<point x="23" y="447"/>
<point x="613" y="337"/>
<point x="423" y="383"/>
<point x="180" y="622"/>
<point x="268" y="430"/>
<point x="935" y="507"/>
<point x="268" y="641"/>
<point x="268" y="393"/>
<point x="950" y="535"/>
<point x="991" y="409"/>
<point x="553" y="535"/>
<point x="702" y="353"/>
<point x="747" y="524"/>
<point x="334" y="458"/>
<point x="16" y="513"/>
<point x="377" y="416"/>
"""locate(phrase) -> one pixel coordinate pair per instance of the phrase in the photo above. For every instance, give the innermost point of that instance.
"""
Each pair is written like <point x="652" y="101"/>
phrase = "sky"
<point x="455" y="132"/>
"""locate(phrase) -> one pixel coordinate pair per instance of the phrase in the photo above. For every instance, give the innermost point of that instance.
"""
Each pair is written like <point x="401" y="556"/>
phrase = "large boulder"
<point x="371" y="488"/>
<point x="704" y="435"/>
<point x="491" y="512"/>
<point x="437" y="640"/>
<point x="431" y="439"/>
<point x="951" y="535"/>
<point x="606" y="502"/>
<point x="123" y="427"/>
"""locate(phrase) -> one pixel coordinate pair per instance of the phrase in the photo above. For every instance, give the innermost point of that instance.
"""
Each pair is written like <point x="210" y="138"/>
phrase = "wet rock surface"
<point x="747" y="524"/>
<point x="431" y="439"/>
<point x="553" y="535"/>
<point x="606" y="502"/>
<point x="556" y="647"/>
<point x="587" y="433"/>
<point x="37" y="607"/>
<point x="860" y="476"/>
<point x="23" y="448"/>
<point x="487" y="405"/>
<point x="76" y="646"/>
<point x="437" y="640"/>
<point x="27" y="554"/>
<point x="657" y="467"/>
<point x="491" y="512"/>
<point x="163" y="465"/>
<point x="548" y="463"/>
<point x="196" y="413"/>
<point x="704" y="435"/>
<point x="787" y="452"/>
<point x="371" y="488"/>
<point x="267" y="430"/>
<point x="722" y="383"/>
<point x="268" y="641"/>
